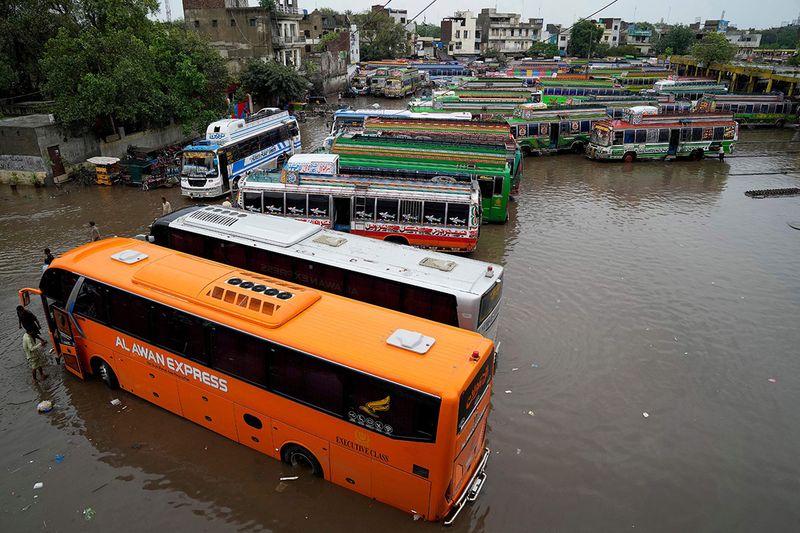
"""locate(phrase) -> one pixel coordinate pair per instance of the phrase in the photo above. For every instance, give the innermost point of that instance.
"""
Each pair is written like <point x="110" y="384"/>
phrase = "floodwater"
<point x="651" y="287"/>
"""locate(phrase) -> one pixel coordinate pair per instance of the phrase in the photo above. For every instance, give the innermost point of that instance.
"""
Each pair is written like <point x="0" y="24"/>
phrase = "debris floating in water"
<point x="59" y="458"/>
<point x="531" y="413"/>
<point x="38" y="485"/>
<point x="508" y="392"/>
<point x="646" y="414"/>
<point x="772" y="380"/>
<point x="44" y="406"/>
<point x="116" y="401"/>
<point x="290" y="478"/>
<point x="88" y="513"/>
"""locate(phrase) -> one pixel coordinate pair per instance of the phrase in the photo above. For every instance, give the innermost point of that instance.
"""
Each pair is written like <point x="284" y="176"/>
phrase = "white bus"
<point x="453" y="290"/>
<point x="212" y="167"/>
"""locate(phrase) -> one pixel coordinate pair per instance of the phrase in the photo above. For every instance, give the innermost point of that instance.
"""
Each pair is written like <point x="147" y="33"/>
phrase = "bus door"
<point x="554" y="127"/>
<point x="674" y="139"/>
<point x="65" y="341"/>
<point x="342" y="208"/>
<point x="222" y="165"/>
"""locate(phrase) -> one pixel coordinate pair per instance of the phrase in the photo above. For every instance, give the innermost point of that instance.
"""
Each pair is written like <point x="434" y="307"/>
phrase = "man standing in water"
<point x="31" y="324"/>
<point x="94" y="233"/>
<point x="33" y="353"/>
<point x="166" y="207"/>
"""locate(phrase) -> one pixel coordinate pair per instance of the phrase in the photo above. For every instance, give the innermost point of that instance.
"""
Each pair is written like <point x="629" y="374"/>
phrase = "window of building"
<point x="233" y="23"/>
<point x="196" y="23"/>
<point x="252" y="22"/>
<point x="458" y="34"/>
<point x="214" y="23"/>
<point x="466" y="34"/>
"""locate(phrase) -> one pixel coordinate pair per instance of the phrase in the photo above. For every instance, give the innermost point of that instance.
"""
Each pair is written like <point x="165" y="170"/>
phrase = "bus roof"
<point x="233" y="129"/>
<point x="448" y="273"/>
<point x="344" y="331"/>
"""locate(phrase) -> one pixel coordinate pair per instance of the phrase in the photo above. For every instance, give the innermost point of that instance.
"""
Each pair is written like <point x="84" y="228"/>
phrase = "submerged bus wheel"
<point x="697" y="155"/>
<point x="578" y="148"/>
<point x="106" y="373"/>
<point x="297" y="456"/>
<point x="629" y="157"/>
<point x="396" y="240"/>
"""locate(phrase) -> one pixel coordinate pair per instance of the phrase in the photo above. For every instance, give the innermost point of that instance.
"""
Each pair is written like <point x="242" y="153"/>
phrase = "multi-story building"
<point x="745" y="41"/>
<point x="400" y="16"/>
<point x="639" y="36"/>
<point x="459" y="34"/>
<point x="317" y="23"/>
<point x="611" y="31"/>
<point x="507" y="33"/>
<point x="240" y="33"/>
<point x="558" y="35"/>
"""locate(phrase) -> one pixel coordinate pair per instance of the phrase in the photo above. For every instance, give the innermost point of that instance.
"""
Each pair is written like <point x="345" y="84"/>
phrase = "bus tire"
<point x="106" y="373"/>
<point x="295" y="455"/>
<point x="780" y="123"/>
<point x="578" y="147"/>
<point x="697" y="155"/>
<point x="397" y="240"/>
<point x="629" y="157"/>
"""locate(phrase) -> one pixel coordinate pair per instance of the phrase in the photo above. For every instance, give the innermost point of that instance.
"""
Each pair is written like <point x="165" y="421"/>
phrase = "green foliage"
<point x="795" y="59"/>
<point x="714" y="48"/>
<point x="429" y="30"/>
<point x="781" y="38"/>
<point x="117" y="66"/>
<point x="644" y="26"/>
<point x="623" y="50"/>
<point x="543" y="49"/>
<point x="327" y="11"/>
<point x="329" y="37"/>
<point x="600" y="50"/>
<point x="268" y="5"/>
<point x="584" y="36"/>
<point x="380" y="37"/>
<point x="493" y="54"/>
<point x="678" y="38"/>
<point x="273" y="84"/>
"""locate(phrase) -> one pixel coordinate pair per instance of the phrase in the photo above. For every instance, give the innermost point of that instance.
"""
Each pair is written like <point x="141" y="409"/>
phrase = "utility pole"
<point x="167" y="11"/>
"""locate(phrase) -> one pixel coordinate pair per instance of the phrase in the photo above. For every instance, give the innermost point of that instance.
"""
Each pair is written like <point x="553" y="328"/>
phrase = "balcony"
<point x="287" y="10"/>
<point x="288" y="41"/>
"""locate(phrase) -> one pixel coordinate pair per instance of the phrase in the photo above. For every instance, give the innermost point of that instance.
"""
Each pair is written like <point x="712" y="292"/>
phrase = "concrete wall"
<point x="148" y="138"/>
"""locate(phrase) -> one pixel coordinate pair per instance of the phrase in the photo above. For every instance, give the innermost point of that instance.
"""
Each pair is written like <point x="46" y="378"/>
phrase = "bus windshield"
<point x="601" y="137"/>
<point x="490" y="300"/>
<point x="199" y="164"/>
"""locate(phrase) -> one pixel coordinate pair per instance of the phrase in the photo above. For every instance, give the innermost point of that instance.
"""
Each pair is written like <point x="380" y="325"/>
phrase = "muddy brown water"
<point x="652" y="287"/>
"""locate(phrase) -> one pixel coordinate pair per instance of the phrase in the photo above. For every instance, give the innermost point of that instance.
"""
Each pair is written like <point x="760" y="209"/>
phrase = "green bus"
<point x="616" y="105"/>
<point x="555" y="128"/>
<point x="401" y="82"/>
<point x="663" y="136"/>
<point x="368" y="155"/>
<point x="753" y="109"/>
<point x="555" y="91"/>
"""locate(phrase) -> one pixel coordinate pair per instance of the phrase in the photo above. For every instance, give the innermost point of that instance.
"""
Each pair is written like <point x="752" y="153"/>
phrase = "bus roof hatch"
<point x="411" y="341"/>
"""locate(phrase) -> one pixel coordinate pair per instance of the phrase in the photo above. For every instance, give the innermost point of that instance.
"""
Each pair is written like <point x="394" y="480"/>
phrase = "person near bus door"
<point x="166" y="207"/>
<point x="31" y="324"/>
<point x="34" y="355"/>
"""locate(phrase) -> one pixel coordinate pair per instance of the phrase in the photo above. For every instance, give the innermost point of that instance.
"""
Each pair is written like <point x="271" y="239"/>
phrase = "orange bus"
<point x="386" y="404"/>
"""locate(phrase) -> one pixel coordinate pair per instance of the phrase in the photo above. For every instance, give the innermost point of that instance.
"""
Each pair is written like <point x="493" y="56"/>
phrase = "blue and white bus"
<point x="233" y="147"/>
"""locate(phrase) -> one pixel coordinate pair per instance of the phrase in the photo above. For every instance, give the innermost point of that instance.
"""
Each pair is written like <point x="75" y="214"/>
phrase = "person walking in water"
<point x="48" y="257"/>
<point x="33" y="353"/>
<point x="166" y="207"/>
<point x="31" y="324"/>
<point x="94" y="232"/>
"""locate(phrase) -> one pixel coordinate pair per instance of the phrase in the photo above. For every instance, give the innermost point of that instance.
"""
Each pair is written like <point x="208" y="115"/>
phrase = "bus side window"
<point x="663" y="135"/>
<point x="295" y="205"/>
<point x="718" y="133"/>
<point x="252" y="201"/>
<point x="240" y="355"/>
<point x="387" y="210"/>
<point x="585" y="126"/>
<point x="630" y="136"/>
<point x="686" y="134"/>
<point x="434" y="213"/>
<point x="273" y="203"/>
<point x="319" y="276"/>
<point x="697" y="134"/>
<point x="179" y="333"/>
<point x="457" y="214"/>
<point x="318" y="206"/>
<point x="306" y="379"/>
<point x="618" y="137"/>
<point x="187" y="242"/>
<point x="641" y="136"/>
<point x="270" y="264"/>
<point x="229" y="253"/>
<point x="386" y="293"/>
<point x="129" y="313"/>
<point x="56" y="286"/>
<point x="91" y="302"/>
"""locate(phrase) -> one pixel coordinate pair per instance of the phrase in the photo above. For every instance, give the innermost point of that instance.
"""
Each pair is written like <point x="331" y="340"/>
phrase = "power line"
<point x="591" y="15"/>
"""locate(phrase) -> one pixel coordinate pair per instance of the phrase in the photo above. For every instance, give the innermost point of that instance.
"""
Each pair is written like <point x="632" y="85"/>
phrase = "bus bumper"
<point x="203" y="193"/>
<point x="472" y="491"/>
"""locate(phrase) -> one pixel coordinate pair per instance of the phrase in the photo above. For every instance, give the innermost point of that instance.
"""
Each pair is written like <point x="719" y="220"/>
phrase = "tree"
<point x="272" y="83"/>
<point x="496" y="55"/>
<point x="623" y="50"/>
<point x="115" y="66"/>
<point x="713" y="48"/>
<point x="678" y="38"/>
<point x="543" y="49"/>
<point x="268" y="5"/>
<point x="429" y="30"/>
<point x="584" y="36"/>
<point x="780" y="38"/>
<point x="380" y="37"/>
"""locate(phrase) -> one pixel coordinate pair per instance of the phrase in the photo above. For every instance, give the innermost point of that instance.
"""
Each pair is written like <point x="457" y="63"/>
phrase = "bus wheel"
<point x="578" y="148"/>
<point x="697" y="155"/>
<point x="297" y="456"/>
<point x="105" y="372"/>
<point x="779" y="123"/>
<point x="629" y="157"/>
<point x="397" y="240"/>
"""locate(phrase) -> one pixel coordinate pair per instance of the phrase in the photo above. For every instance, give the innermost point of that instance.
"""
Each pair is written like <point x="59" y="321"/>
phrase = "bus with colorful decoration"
<point x="439" y="214"/>
<point x="233" y="147"/>
<point x="401" y="82"/>
<point x="642" y="133"/>
<point x="771" y="109"/>
<point x="541" y="130"/>
<point x="568" y="91"/>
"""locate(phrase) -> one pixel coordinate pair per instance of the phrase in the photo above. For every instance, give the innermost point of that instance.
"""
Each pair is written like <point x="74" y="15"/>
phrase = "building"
<point x="710" y="26"/>
<point x="240" y="33"/>
<point x="558" y="35"/>
<point x="611" y="31"/>
<point x="507" y="33"/>
<point x="639" y="36"/>
<point x="746" y="42"/>
<point x="317" y="23"/>
<point x="400" y="16"/>
<point x="460" y="34"/>
<point x="425" y="47"/>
